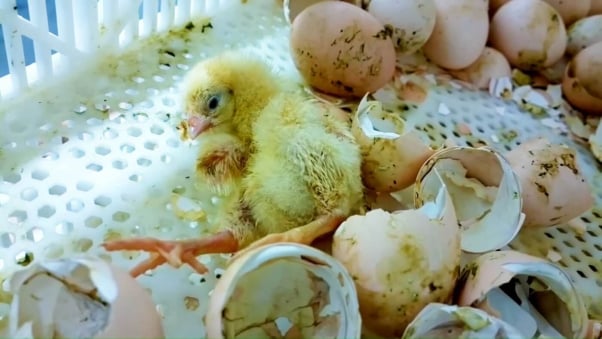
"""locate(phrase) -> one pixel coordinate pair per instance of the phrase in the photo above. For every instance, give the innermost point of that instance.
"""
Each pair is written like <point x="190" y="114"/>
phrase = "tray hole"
<point x="35" y="234"/>
<point x="57" y="190"/>
<point x="581" y="274"/>
<point x="134" y="132"/>
<point x="169" y="102"/>
<point x="46" y="127"/>
<point x="120" y="164"/>
<point x="127" y="148"/>
<point x="29" y="194"/>
<point x="144" y="162"/>
<point x="125" y="105"/>
<point x="77" y="153"/>
<point x="141" y="117"/>
<point x="157" y="130"/>
<point x="94" y="122"/>
<point x="598" y="247"/>
<point x="75" y="205"/>
<point x="84" y="186"/>
<point x="94" y="167"/>
<point x="158" y="78"/>
<point x="46" y="211"/>
<point x="82" y="245"/>
<point x="93" y="221"/>
<point x="587" y="253"/>
<point x="50" y="155"/>
<point x="138" y="80"/>
<point x="7" y="239"/>
<point x="575" y="258"/>
<point x="102" y="201"/>
<point x="121" y="216"/>
<point x="85" y="136"/>
<point x="567" y="243"/>
<point x="17" y="217"/>
<point x="593" y="268"/>
<point x="63" y="228"/>
<point x="149" y="145"/>
<point x="152" y="91"/>
<point x="80" y="109"/>
<point x="165" y="158"/>
<point x="39" y="174"/>
<point x="135" y="178"/>
<point x="146" y="104"/>
<point x="102" y="150"/>
<point x="12" y="178"/>
<point x="172" y="143"/>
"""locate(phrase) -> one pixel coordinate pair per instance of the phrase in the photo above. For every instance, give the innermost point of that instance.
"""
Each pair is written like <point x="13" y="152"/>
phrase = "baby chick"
<point x="292" y="166"/>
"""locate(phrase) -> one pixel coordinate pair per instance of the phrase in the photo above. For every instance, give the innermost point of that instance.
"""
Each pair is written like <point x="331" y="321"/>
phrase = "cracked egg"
<point x="80" y="298"/>
<point x="284" y="290"/>
<point x="400" y="261"/>
<point x="391" y="156"/>
<point x="553" y="189"/>
<point x="451" y="321"/>
<point x="485" y="191"/>
<point x="538" y="297"/>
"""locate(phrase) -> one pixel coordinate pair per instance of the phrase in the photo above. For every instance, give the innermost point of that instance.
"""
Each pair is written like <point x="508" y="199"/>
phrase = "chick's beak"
<point x="198" y="124"/>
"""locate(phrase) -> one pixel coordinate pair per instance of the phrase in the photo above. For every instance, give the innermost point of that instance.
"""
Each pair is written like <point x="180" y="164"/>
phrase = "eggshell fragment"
<point x="411" y="21"/>
<point x="284" y="290"/>
<point x="554" y="191"/>
<point x="584" y="33"/>
<point x="548" y="296"/>
<point x="450" y="321"/>
<point x="485" y="191"/>
<point x="400" y="261"/>
<point x="530" y="33"/>
<point x="587" y="68"/>
<point x="391" y="156"/>
<point x="80" y="298"/>
<point x="451" y="45"/>
<point x="491" y="64"/>
<point x="571" y="11"/>
<point x="347" y="54"/>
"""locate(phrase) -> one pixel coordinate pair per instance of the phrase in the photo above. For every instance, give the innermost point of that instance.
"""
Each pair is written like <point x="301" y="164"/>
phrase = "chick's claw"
<point x="174" y="253"/>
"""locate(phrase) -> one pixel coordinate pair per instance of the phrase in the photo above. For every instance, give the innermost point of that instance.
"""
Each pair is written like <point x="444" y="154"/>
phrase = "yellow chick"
<point x="292" y="165"/>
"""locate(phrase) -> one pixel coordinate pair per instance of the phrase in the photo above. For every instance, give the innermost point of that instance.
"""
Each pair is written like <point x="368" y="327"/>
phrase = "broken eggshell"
<point x="549" y="301"/>
<point x="391" y="156"/>
<point x="80" y="298"/>
<point x="284" y="290"/>
<point x="485" y="191"/>
<point x="450" y="321"/>
<point x="400" y="261"/>
<point x="553" y="189"/>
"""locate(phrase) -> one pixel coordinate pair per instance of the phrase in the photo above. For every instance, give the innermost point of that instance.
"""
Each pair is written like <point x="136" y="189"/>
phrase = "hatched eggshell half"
<point x="554" y="191"/>
<point x="587" y="68"/>
<point x="576" y="94"/>
<point x="584" y="33"/>
<point x="411" y="21"/>
<point x="491" y="64"/>
<point x="572" y="10"/>
<point x="95" y="299"/>
<point x="530" y="33"/>
<point x="485" y="191"/>
<point x="494" y="269"/>
<point x="391" y="157"/>
<point x="400" y="261"/>
<point x="289" y="291"/>
<point x="341" y="49"/>
<point x="460" y="33"/>
<point x="596" y="7"/>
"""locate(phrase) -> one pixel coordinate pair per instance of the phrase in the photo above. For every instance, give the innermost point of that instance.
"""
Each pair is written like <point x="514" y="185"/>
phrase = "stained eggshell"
<point x="530" y="33"/>
<point x="587" y="68"/>
<point x="583" y="33"/>
<point x="411" y="21"/>
<point x="576" y="94"/>
<point x="460" y="33"/>
<point x="341" y="49"/>
<point x="284" y="290"/>
<point x="571" y="11"/>
<point x="553" y="189"/>
<point x="400" y="261"/>
<point x="491" y="64"/>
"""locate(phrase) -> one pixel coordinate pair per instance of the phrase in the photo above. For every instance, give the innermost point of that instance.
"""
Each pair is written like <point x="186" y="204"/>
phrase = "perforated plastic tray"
<point x="98" y="157"/>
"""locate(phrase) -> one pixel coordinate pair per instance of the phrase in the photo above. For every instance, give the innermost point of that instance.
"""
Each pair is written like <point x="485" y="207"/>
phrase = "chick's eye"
<point x="213" y="102"/>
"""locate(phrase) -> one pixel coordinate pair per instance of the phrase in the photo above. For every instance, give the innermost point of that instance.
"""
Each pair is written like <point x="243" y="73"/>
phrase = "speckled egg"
<point x="584" y="33"/>
<point x="341" y="49"/>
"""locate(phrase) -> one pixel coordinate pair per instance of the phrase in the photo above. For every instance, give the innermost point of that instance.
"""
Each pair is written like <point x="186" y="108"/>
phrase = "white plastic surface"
<point x="96" y="155"/>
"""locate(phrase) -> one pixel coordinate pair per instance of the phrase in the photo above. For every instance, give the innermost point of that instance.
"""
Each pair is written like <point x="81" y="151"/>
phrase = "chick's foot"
<point x="302" y="235"/>
<point x="175" y="253"/>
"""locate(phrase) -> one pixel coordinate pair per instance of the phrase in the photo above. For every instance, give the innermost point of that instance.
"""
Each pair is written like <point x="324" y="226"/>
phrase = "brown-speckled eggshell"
<point x="588" y="69"/>
<point x="530" y="33"/>
<point x="577" y="95"/>
<point x="341" y="49"/>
